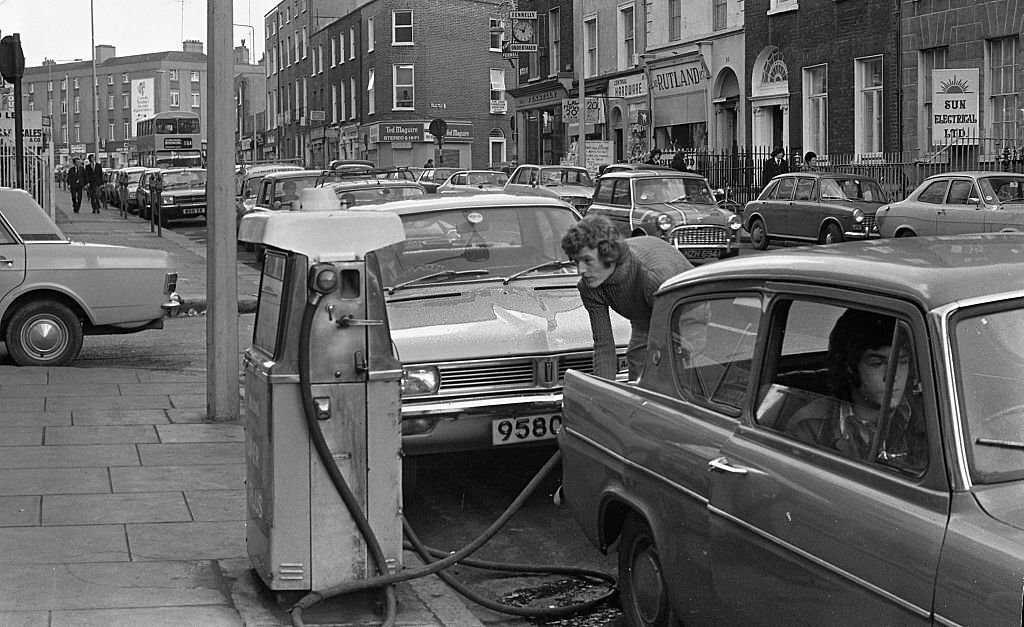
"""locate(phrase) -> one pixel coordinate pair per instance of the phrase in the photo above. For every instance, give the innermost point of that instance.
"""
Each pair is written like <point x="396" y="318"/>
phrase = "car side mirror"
<point x="974" y="201"/>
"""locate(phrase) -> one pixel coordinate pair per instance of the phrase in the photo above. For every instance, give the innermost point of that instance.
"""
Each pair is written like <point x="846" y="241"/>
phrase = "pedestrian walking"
<point x="621" y="274"/>
<point x="654" y="158"/>
<point x="76" y="181"/>
<point x="122" y="192"/>
<point x="93" y="181"/>
<point x="429" y="163"/>
<point x="773" y="166"/>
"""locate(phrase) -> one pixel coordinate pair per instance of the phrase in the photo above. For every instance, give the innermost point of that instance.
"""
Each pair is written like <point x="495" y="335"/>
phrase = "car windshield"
<point x="377" y="194"/>
<point x="486" y="178"/>
<point x="565" y="176"/>
<point x="438" y="175"/>
<point x="673" y="189"/>
<point x="1003" y="189"/>
<point x="484" y="242"/>
<point x="851" y="189"/>
<point x="988" y="348"/>
<point x="184" y="179"/>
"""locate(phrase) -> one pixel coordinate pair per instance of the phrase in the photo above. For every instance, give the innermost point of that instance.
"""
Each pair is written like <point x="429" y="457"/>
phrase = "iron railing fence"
<point x="738" y="172"/>
<point x="37" y="174"/>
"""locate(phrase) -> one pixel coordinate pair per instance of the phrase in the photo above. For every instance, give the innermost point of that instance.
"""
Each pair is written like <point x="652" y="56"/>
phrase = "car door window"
<point x="620" y="193"/>
<point x="829" y="371"/>
<point x="603" y="193"/>
<point x="784" y="190"/>
<point x="804" y="187"/>
<point x="961" y="193"/>
<point x="830" y="189"/>
<point x="712" y="348"/>
<point x="935" y="193"/>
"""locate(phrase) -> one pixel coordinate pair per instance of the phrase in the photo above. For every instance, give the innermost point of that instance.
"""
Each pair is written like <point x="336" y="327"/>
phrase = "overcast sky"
<point x="59" y="29"/>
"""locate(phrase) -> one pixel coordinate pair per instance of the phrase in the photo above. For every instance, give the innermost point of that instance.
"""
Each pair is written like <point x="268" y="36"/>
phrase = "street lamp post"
<point x="248" y="83"/>
<point x="95" y="83"/>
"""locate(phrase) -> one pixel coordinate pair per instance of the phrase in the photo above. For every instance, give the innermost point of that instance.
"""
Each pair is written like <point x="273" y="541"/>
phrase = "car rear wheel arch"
<point x="905" y="232"/>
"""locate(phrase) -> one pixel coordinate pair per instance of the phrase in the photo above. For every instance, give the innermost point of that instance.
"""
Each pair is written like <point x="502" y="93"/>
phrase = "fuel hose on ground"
<point x="427" y="554"/>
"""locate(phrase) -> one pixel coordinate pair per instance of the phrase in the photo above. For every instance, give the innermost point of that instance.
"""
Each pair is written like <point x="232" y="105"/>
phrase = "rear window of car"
<point x="935" y="193"/>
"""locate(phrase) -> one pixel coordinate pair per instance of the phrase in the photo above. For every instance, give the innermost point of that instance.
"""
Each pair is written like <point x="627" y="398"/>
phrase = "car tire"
<point x="44" y="333"/>
<point x="642" y="587"/>
<point x="758" y="234"/>
<point x="831" y="234"/>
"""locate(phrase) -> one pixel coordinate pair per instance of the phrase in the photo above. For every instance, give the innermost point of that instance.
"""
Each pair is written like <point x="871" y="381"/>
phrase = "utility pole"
<point x="222" y="401"/>
<point x="95" y="86"/>
<point x="581" y="70"/>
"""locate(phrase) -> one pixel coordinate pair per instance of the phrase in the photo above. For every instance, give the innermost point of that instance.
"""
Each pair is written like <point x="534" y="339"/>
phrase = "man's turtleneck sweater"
<point x="648" y="262"/>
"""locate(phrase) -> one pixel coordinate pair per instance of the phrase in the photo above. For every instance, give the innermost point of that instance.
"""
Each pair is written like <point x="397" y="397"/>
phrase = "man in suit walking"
<point x="773" y="165"/>
<point x="94" y="179"/>
<point x="76" y="181"/>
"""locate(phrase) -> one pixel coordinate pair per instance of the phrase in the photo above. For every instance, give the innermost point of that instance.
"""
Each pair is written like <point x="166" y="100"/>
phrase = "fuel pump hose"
<point x="427" y="554"/>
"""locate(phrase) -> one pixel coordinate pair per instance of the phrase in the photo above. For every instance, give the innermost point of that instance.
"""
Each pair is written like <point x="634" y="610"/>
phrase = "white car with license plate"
<point x="486" y="316"/>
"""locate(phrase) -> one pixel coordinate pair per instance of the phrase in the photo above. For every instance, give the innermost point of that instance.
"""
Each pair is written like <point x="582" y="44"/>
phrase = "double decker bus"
<point x="170" y="139"/>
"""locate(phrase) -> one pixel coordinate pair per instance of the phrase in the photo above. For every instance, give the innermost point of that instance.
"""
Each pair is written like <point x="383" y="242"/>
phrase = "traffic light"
<point x="12" y="59"/>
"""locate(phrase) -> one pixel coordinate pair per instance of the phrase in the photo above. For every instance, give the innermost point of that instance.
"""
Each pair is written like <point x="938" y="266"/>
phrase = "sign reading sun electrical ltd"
<point x="955" y="106"/>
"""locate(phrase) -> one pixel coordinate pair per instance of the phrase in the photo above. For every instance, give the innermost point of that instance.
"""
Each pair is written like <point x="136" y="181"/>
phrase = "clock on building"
<point x="522" y="30"/>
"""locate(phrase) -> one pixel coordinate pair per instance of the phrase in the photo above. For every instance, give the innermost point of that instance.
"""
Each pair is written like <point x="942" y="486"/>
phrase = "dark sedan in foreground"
<point x="821" y="436"/>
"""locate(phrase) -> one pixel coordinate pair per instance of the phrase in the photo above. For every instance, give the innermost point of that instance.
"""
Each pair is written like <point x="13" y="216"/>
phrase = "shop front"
<point x="539" y="128"/>
<point x="629" y="115"/>
<point x="679" y="94"/>
<point x="411" y="144"/>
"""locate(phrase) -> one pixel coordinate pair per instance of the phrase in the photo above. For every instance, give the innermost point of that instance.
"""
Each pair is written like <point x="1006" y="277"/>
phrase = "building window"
<point x="125" y="101"/>
<point x="351" y="43"/>
<point x="554" y="42"/>
<point x="110" y="131"/>
<point x="675" y="20"/>
<point x="777" y="6"/>
<point x="298" y="48"/>
<point x="402" y="25"/>
<point x="193" y="76"/>
<point x="126" y="128"/>
<point x="719" y="14"/>
<point x="590" y="46"/>
<point x="928" y="60"/>
<point x="497" y="87"/>
<point x="533" y="63"/>
<point x="304" y="46"/>
<point x="286" y="53"/>
<point x="124" y="79"/>
<point x="352" y="98"/>
<point x="334" y="52"/>
<point x="49" y="86"/>
<point x="110" y="79"/>
<point x="1003" y="97"/>
<point x="334" y="104"/>
<point x="74" y="82"/>
<point x="816" y="109"/>
<point x="78" y="104"/>
<point x="341" y="48"/>
<point x="172" y="75"/>
<point x="341" y="100"/>
<point x="110" y="102"/>
<point x="174" y="98"/>
<point x="868" y="106"/>
<point x="493" y="26"/>
<point x="63" y="107"/>
<point x="627" y="37"/>
<point x="78" y="132"/>
<point x="320" y="57"/>
<point x="371" y="99"/>
<point x="195" y="100"/>
<point x="404" y="87"/>
<point x="369" y="34"/>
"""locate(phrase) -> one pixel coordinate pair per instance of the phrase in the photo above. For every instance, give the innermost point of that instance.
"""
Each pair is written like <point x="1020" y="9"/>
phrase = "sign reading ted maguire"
<point x="417" y="132"/>
<point x="955" y="106"/>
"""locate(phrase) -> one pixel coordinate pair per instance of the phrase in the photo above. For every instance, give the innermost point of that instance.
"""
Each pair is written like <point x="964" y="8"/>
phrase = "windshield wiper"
<point x="554" y="263"/>
<point x="1000" y="443"/>
<point x="446" y="274"/>
<point x="680" y="199"/>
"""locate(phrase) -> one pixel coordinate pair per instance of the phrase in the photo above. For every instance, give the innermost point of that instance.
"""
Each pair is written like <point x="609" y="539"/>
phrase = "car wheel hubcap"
<point x="44" y="337"/>
<point x="648" y="587"/>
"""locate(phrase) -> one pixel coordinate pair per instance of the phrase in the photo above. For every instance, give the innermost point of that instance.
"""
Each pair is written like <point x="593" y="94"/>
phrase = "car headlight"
<point x="664" y="222"/>
<point x="168" y="200"/>
<point x="734" y="222"/>
<point x="858" y="216"/>
<point x="420" y="380"/>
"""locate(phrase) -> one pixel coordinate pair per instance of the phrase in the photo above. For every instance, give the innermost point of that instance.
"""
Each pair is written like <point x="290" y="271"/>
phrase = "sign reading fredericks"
<point x="955" y="106"/>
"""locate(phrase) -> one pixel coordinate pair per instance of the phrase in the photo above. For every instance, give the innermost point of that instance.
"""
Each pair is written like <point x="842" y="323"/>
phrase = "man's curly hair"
<point x="598" y="233"/>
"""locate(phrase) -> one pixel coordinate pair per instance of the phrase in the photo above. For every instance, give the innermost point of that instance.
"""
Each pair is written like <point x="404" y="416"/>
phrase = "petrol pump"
<point x="322" y="398"/>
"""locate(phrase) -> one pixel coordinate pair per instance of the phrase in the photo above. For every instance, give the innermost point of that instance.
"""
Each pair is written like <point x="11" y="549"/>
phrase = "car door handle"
<point x="721" y="464"/>
<point x="4" y="261"/>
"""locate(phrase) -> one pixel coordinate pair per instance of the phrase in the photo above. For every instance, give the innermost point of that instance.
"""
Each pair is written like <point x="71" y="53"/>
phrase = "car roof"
<point x="930" y="271"/>
<point x="974" y="174"/>
<point x="826" y="174"/>
<point x="292" y="174"/>
<point x="374" y="182"/>
<point x="651" y="172"/>
<point x="433" y="202"/>
<point x="172" y="170"/>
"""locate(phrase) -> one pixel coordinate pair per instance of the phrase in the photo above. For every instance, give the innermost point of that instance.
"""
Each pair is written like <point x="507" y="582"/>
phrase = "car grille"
<point x="699" y="236"/>
<point x="869" y="223"/>
<point x="511" y="374"/>
<point x="190" y="199"/>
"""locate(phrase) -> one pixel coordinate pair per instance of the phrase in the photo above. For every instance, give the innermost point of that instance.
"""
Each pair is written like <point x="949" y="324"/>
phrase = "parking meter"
<point x="321" y="364"/>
